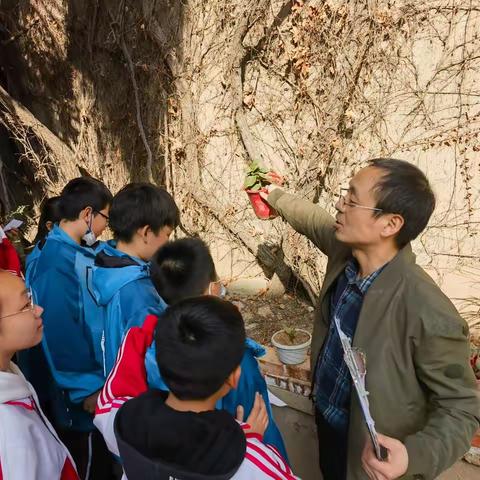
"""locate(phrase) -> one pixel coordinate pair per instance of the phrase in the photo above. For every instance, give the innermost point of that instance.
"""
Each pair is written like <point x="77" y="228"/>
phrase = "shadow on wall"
<point x="272" y="261"/>
<point x="67" y="66"/>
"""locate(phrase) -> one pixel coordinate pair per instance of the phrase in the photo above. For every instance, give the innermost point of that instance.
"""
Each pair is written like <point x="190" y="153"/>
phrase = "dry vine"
<point x="311" y="88"/>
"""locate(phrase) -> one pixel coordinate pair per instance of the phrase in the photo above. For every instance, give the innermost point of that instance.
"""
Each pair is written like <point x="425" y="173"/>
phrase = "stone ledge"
<point x="292" y="378"/>
<point x="271" y="365"/>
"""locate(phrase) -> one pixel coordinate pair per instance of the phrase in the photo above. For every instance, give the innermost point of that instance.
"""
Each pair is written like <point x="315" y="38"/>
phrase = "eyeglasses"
<point x="29" y="308"/>
<point x="106" y="217"/>
<point x="342" y="201"/>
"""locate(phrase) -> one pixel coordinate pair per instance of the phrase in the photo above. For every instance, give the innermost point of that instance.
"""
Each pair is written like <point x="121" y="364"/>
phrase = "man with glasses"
<point x="422" y="389"/>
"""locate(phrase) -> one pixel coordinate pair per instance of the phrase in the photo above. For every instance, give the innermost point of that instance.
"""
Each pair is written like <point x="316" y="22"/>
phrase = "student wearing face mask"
<point x="70" y="345"/>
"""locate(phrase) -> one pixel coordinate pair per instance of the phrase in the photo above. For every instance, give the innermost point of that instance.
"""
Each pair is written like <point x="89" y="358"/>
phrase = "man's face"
<point x="355" y="226"/>
<point x="155" y="241"/>
<point x="21" y="324"/>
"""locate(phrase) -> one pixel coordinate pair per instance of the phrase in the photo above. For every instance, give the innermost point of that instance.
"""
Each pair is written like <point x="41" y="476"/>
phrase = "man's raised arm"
<point x="306" y="218"/>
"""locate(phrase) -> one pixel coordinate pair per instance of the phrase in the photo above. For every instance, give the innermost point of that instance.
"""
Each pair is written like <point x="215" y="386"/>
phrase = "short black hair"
<point x="139" y="204"/>
<point x="83" y="192"/>
<point x="49" y="212"/>
<point x="404" y="189"/>
<point x="181" y="269"/>
<point x="199" y="343"/>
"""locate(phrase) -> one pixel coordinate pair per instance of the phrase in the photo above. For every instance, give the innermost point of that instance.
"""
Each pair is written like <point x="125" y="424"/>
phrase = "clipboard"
<point x="354" y="360"/>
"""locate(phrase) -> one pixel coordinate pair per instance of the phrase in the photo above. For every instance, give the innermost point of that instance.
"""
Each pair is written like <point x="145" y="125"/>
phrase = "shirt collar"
<point x="363" y="284"/>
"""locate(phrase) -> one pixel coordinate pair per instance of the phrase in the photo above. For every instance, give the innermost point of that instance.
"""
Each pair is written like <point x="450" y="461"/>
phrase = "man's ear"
<point x="49" y="225"/>
<point x="393" y="225"/>
<point x="234" y="378"/>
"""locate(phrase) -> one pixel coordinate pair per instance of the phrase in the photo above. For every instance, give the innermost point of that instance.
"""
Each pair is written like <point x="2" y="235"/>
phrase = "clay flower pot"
<point x="256" y="179"/>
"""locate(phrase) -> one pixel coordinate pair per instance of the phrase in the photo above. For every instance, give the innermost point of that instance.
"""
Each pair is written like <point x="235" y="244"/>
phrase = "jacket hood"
<point x="59" y="235"/>
<point x="113" y="270"/>
<point x="13" y="386"/>
<point x="157" y="442"/>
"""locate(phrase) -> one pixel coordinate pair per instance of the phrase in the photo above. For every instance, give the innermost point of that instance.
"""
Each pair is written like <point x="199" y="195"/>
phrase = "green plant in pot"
<point x="256" y="179"/>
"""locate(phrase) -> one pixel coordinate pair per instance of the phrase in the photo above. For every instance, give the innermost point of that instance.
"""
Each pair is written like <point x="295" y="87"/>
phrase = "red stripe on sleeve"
<point x="263" y="467"/>
<point x="68" y="471"/>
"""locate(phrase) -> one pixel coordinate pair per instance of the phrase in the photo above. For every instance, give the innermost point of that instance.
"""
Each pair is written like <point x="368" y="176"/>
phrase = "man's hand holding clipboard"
<point x="384" y="458"/>
<point x="393" y="466"/>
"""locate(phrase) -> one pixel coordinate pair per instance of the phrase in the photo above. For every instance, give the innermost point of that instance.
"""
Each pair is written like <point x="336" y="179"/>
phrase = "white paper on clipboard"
<point x="358" y="379"/>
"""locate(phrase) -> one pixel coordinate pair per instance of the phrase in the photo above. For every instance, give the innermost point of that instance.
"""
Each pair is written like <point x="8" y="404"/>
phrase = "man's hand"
<point x="267" y="191"/>
<point x="90" y="402"/>
<point x="393" y="467"/>
<point x="258" y="418"/>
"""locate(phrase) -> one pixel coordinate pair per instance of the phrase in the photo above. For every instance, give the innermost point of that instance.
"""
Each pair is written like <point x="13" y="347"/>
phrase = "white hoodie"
<point x="29" y="447"/>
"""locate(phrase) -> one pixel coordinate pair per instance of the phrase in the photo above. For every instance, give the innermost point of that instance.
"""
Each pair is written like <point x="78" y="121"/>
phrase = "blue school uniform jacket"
<point x="122" y="287"/>
<point x="32" y="258"/>
<point x="69" y="343"/>
<point x="32" y="361"/>
<point x="252" y="381"/>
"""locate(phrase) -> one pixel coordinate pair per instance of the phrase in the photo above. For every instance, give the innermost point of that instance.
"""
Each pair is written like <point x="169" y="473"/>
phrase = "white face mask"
<point x="89" y="237"/>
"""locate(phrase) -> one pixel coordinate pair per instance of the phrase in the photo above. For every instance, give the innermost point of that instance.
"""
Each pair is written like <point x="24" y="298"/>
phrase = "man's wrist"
<point x="274" y="194"/>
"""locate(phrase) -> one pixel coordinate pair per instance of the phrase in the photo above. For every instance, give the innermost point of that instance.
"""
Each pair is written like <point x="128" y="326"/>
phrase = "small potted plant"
<point x="292" y="345"/>
<point x="256" y="180"/>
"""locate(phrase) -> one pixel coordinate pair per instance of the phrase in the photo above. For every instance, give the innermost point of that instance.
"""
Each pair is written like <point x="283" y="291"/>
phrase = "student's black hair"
<point x="139" y="204"/>
<point x="199" y="342"/>
<point x="49" y="212"/>
<point x="181" y="269"/>
<point x="83" y="192"/>
<point x="404" y="189"/>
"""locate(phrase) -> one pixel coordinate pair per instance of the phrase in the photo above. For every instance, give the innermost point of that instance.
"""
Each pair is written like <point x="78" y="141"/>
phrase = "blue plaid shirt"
<point x="332" y="379"/>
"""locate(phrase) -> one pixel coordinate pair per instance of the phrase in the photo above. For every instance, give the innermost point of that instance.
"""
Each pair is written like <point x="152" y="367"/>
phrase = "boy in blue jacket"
<point x="142" y="218"/>
<point x="68" y="342"/>
<point x="185" y="268"/>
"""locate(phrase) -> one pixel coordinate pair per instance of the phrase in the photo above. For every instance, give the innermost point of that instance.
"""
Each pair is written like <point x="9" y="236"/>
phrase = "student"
<point x="49" y="216"/>
<point x="184" y="268"/>
<point x="142" y="218"/>
<point x="29" y="447"/>
<point x="158" y="435"/>
<point x="69" y="343"/>
<point x="32" y="361"/>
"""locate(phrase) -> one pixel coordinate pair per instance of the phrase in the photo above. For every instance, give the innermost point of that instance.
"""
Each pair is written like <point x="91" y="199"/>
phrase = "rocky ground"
<point x="264" y="315"/>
